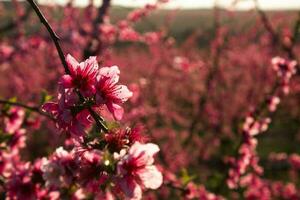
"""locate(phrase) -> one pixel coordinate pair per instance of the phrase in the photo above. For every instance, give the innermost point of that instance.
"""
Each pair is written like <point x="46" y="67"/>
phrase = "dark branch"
<point x="53" y="35"/>
<point x="289" y="49"/>
<point x="99" y="121"/>
<point x="31" y="108"/>
<point x="90" y="49"/>
<point x="212" y="73"/>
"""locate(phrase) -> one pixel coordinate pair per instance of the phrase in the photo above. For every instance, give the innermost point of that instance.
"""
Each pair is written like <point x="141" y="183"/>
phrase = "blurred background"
<point x="197" y="69"/>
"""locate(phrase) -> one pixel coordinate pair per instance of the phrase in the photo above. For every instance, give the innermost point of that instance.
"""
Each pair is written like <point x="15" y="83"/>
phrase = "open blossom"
<point x="66" y="119"/>
<point x="110" y="93"/>
<point x="82" y="75"/>
<point x="137" y="170"/>
<point x="22" y="184"/>
<point x="283" y="67"/>
<point x="57" y="171"/>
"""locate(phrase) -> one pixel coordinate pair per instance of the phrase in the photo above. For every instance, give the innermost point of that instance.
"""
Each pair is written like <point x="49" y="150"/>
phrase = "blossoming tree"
<point x="188" y="123"/>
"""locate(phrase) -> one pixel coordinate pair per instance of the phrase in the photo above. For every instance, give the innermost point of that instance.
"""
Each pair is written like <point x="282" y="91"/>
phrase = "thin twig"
<point x="212" y="73"/>
<point x="55" y="39"/>
<point x="172" y="186"/>
<point x="289" y="49"/>
<point x="31" y="108"/>
<point x="53" y="35"/>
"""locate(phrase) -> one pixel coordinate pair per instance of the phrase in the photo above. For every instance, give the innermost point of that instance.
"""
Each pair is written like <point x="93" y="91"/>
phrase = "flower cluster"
<point x="190" y="86"/>
<point x="254" y="125"/>
<point x="117" y="162"/>
<point x="285" y="69"/>
<point x="247" y="151"/>
<point x="98" y="87"/>
<point x="125" y="173"/>
<point x="95" y="164"/>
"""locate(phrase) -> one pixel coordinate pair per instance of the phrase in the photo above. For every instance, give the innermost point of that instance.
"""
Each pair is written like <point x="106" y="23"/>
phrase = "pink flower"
<point x="181" y="63"/>
<point x="136" y="15"/>
<point x="110" y="93"/>
<point x="137" y="170"/>
<point x="191" y="191"/>
<point x="20" y="185"/>
<point x="128" y="34"/>
<point x="15" y="119"/>
<point x="6" y="51"/>
<point x="17" y="140"/>
<point x="118" y="139"/>
<point x="151" y="37"/>
<point x="294" y="161"/>
<point x="83" y="75"/>
<point x="283" y="67"/>
<point x="66" y="119"/>
<point x="58" y="171"/>
<point x="273" y="102"/>
<point x="108" y="33"/>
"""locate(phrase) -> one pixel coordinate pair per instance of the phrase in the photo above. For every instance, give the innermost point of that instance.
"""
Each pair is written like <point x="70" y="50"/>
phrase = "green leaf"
<point x="185" y="177"/>
<point x="7" y="107"/>
<point x="45" y="97"/>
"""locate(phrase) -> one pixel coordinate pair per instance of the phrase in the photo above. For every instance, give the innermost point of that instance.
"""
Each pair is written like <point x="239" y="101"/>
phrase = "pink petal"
<point x="50" y="107"/>
<point x="72" y="63"/>
<point x="144" y="153"/>
<point x="66" y="81"/>
<point x="84" y="117"/>
<point x="123" y="93"/>
<point x="111" y="72"/>
<point x="90" y="64"/>
<point x="131" y="188"/>
<point x="116" y="110"/>
<point x="151" y="177"/>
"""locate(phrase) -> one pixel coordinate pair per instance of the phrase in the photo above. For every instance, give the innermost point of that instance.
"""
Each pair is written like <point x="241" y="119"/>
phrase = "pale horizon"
<point x="198" y="4"/>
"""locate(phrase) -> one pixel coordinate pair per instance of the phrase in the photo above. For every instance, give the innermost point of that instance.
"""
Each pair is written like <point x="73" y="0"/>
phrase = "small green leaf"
<point x="45" y="97"/>
<point x="185" y="177"/>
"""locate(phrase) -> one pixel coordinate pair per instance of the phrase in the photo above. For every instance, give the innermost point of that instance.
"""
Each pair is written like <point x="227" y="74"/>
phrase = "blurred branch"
<point x="296" y="31"/>
<point x="94" y="45"/>
<point x="172" y="186"/>
<point x="31" y="108"/>
<point x="267" y="24"/>
<point x="212" y="73"/>
<point x="55" y="39"/>
<point x="288" y="48"/>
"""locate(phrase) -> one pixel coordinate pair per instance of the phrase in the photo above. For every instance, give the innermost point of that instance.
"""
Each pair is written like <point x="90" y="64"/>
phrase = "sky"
<point x="190" y="4"/>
